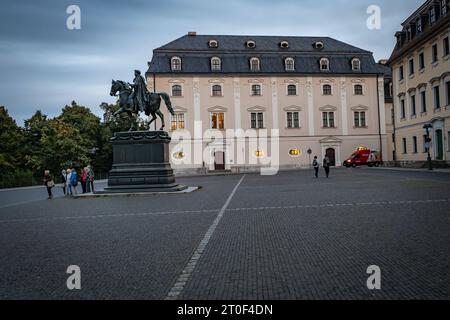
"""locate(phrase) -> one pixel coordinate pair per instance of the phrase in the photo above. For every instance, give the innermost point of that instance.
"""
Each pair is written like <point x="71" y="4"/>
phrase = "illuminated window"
<point x="177" y="121"/>
<point x="218" y="120"/>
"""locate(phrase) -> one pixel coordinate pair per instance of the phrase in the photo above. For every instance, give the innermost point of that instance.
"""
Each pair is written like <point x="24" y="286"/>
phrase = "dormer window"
<point x="254" y="64"/>
<point x="318" y="45"/>
<point x="213" y="44"/>
<point x="216" y="64"/>
<point x="289" y="64"/>
<point x="176" y="64"/>
<point x="284" y="44"/>
<point x="432" y="14"/>
<point x="444" y="8"/>
<point x="250" y="44"/>
<point x="356" y="64"/>
<point x="324" y="64"/>
<point x="419" y="24"/>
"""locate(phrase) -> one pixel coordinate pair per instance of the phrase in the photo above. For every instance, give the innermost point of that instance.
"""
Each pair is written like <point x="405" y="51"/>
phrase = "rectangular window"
<point x="292" y="90"/>
<point x="423" y="99"/>
<point x="435" y="53"/>
<point x="293" y="119"/>
<point x="404" y="146"/>
<point x="402" y="109"/>
<point x="328" y="119"/>
<point x="432" y="16"/>
<point x="218" y="120"/>
<point x="447" y="89"/>
<point x="257" y="120"/>
<point x="437" y="100"/>
<point x="413" y="105"/>
<point x="421" y="61"/>
<point x="414" y="144"/>
<point x="256" y="90"/>
<point x="446" y="47"/>
<point x="360" y="119"/>
<point x="401" y="73"/>
<point x="444" y="7"/>
<point x="419" y="25"/>
<point x="177" y="121"/>
<point x="411" y="67"/>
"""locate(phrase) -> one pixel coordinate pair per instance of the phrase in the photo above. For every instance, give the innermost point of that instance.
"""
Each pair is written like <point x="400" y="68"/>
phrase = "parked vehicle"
<point x="363" y="156"/>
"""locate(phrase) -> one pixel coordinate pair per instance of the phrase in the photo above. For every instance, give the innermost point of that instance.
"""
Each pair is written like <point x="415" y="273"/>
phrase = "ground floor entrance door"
<point x="439" y="145"/>
<point x="219" y="161"/>
<point x="331" y="153"/>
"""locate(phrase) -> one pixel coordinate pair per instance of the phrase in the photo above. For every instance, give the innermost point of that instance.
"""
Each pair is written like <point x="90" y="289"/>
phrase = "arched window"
<point x="177" y="91"/>
<point x="256" y="90"/>
<point x="216" y="64"/>
<point x="358" y="89"/>
<point x="289" y="64"/>
<point x="217" y="90"/>
<point x="356" y="64"/>
<point x="324" y="64"/>
<point x="326" y="90"/>
<point x="292" y="90"/>
<point x="176" y="64"/>
<point x="254" y="64"/>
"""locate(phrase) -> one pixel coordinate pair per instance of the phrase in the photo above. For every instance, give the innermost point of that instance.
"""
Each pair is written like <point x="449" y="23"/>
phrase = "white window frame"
<point x="214" y="66"/>
<point x="224" y="120"/>
<point x="171" y="89"/>
<point x="358" y="61"/>
<point x="260" y="89"/>
<point x="328" y="120"/>
<point x="289" y="60"/>
<point x="256" y="112"/>
<point x="251" y="64"/>
<point x="362" y="88"/>
<point x="296" y="89"/>
<point x="360" y="126"/>
<point x="172" y="64"/>
<point x="323" y="89"/>
<point x="327" y="63"/>
<point x="212" y="89"/>
<point x="176" y="118"/>
<point x="299" y="119"/>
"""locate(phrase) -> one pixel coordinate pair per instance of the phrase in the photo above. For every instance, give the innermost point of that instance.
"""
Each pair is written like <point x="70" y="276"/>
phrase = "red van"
<point x="363" y="156"/>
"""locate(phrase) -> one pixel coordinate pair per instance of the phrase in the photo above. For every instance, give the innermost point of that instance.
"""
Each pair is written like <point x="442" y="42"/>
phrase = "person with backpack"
<point x="49" y="183"/>
<point x="326" y="166"/>
<point x="315" y="164"/>
<point x="74" y="181"/>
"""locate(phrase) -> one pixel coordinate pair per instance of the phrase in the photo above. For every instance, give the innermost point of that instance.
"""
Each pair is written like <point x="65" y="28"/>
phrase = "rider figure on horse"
<point x="139" y="98"/>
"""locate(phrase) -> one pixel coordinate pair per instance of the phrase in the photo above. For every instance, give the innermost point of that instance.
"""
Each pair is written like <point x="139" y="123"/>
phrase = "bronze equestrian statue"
<point x="135" y="98"/>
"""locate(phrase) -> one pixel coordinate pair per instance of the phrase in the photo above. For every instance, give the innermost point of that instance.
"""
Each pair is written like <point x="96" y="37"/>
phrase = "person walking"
<point x="74" y="181"/>
<point x="49" y="183"/>
<point x="315" y="164"/>
<point x="68" y="181"/>
<point x="64" y="180"/>
<point x="90" y="179"/>
<point x="83" y="179"/>
<point x="326" y="166"/>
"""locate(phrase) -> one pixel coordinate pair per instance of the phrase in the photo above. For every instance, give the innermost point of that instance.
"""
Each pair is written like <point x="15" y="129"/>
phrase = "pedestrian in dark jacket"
<point x="326" y="166"/>
<point x="49" y="184"/>
<point x="315" y="164"/>
<point x="64" y="180"/>
<point x="90" y="180"/>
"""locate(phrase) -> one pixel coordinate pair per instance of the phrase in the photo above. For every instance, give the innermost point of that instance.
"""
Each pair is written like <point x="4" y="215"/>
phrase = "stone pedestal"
<point x="141" y="163"/>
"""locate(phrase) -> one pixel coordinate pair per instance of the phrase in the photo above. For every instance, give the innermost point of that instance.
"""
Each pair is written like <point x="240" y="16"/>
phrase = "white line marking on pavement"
<point x="107" y="216"/>
<point x="183" y="278"/>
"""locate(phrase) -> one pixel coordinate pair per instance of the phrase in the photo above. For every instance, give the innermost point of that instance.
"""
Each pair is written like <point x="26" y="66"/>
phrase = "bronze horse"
<point x="127" y="105"/>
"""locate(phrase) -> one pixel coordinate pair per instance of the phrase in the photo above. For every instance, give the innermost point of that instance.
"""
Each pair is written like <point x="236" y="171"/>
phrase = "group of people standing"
<point x="326" y="166"/>
<point x="70" y="180"/>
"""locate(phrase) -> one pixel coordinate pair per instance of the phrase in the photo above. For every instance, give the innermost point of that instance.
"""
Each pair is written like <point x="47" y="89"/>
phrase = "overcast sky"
<point x="43" y="65"/>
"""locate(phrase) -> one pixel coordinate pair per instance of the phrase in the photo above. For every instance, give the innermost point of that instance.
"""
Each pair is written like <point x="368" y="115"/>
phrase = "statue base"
<point x="141" y="163"/>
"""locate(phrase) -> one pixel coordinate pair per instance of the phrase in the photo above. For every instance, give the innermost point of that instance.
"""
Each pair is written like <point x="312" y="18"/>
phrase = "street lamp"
<point x="427" y="127"/>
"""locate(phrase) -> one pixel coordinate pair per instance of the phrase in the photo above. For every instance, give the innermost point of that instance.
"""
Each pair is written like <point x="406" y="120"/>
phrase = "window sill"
<point x="422" y="70"/>
<point x="435" y="64"/>
<point x="436" y="110"/>
<point x="365" y="127"/>
<point x="446" y="57"/>
<point x="411" y="76"/>
<point x="402" y="81"/>
<point x="177" y="97"/>
<point x="423" y="114"/>
<point x="216" y="96"/>
<point x="413" y="116"/>
<point x="293" y="128"/>
<point x="329" y="127"/>
<point x="402" y="119"/>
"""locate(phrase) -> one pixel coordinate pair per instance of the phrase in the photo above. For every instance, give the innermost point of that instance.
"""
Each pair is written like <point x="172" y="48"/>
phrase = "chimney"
<point x="192" y="33"/>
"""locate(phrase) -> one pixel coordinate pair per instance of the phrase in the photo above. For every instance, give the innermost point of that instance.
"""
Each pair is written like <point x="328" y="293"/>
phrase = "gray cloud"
<point x="44" y="65"/>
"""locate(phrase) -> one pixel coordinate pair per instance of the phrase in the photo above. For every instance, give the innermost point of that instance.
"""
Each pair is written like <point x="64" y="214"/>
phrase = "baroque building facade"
<point x="319" y="94"/>
<point x="420" y="66"/>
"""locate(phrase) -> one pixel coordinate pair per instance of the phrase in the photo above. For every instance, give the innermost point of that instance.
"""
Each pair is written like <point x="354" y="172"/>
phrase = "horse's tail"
<point x="166" y="99"/>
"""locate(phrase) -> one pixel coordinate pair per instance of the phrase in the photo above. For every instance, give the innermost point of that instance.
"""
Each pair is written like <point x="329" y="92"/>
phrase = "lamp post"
<point x="427" y="128"/>
<point x="309" y="156"/>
